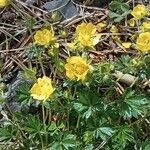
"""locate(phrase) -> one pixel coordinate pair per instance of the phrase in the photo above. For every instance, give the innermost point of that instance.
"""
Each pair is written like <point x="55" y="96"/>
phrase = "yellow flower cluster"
<point x="42" y="89"/>
<point x="4" y="3"/>
<point x="143" y="42"/>
<point x="139" y="12"/>
<point x="85" y="36"/>
<point x="76" y="67"/>
<point x="44" y="37"/>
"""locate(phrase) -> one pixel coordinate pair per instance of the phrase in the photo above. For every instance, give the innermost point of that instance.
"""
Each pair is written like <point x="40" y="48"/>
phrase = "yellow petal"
<point x="42" y="89"/>
<point x="139" y="11"/>
<point x="143" y="42"/>
<point x="76" y="68"/>
<point x="126" y="44"/>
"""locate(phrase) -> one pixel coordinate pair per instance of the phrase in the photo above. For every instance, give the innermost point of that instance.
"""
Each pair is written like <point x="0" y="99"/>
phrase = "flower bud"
<point x="56" y="16"/>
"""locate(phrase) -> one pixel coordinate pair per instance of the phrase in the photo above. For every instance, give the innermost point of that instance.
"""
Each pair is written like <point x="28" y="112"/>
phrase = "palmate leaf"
<point x="100" y="128"/>
<point x="123" y="63"/>
<point x="88" y="103"/>
<point x="122" y="136"/>
<point x="23" y="93"/>
<point x="7" y="134"/>
<point x="119" y="5"/>
<point x="118" y="10"/>
<point x="147" y="147"/>
<point x="64" y="142"/>
<point x="117" y="17"/>
<point x="103" y="132"/>
<point x="33" y="125"/>
<point x="131" y="104"/>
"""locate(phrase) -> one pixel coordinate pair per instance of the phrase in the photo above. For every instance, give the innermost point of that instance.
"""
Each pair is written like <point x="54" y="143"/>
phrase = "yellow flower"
<point x="101" y="26"/>
<point x="131" y="22"/>
<point x="86" y="28"/>
<point x="145" y="26"/>
<point x="126" y="44"/>
<point x="113" y="29"/>
<point x="139" y="11"/>
<point x="42" y="89"/>
<point x="87" y="40"/>
<point x="86" y="35"/>
<point x="4" y="3"/>
<point x="44" y="37"/>
<point x="143" y="42"/>
<point x="76" y="67"/>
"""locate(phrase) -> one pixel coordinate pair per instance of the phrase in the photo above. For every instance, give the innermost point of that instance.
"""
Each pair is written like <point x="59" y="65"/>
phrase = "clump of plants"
<point x="71" y="98"/>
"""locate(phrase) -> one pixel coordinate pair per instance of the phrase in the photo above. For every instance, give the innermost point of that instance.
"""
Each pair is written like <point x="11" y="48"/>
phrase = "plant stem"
<point x="44" y="122"/>
<point x="78" y="121"/>
<point x="42" y="67"/>
<point x="15" y="123"/>
<point x="41" y="141"/>
<point x="68" y="116"/>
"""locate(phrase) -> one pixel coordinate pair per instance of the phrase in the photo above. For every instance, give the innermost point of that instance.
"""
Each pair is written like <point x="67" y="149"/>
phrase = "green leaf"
<point x="122" y="136"/>
<point x="23" y="94"/>
<point x="64" y="142"/>
<point x="29" y="22"/>
<point x="118" y="17"/>
<point x="89" y="147"/>
<point x="30" y="73"/>
<point x="88" y="136"/>
<point x="88" y="103"/>
<point x="147" y="147"/>
<point x="132" y="104"/>
<point x="119" y="10"/>
<point x="34" y="52"/>
<point x="53" y="126"/>
<point x="103" y="132"/>
<point x="119" y="6"/>
<point x="33" y="125"/>
<point x="6" y="134"/>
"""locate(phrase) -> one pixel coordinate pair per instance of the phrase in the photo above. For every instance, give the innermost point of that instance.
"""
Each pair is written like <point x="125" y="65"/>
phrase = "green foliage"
<point x="118" y="10"/>
<point x="83" y="115"/>
<point x="23" y="93"/>
<point x="64" y="142"/>
<point x="29" y="22"/>
<point x="55" y="129"/>
<point x="136" y="66"/>
<point x="30" y="73"/>
<point x="122" y="136"/>
<point x="34" y="52"/>
<point x="88" y="104"/>
<point x="33" y="125"/>
<point x="7" y="134"/>
<point x="103" y="132"/>
<point x="131" y="104"/>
